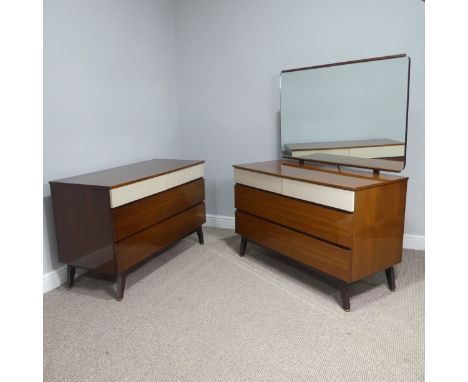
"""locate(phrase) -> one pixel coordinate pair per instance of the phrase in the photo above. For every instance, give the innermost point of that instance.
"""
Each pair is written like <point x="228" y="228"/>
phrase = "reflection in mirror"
<point x="342" y="113"/>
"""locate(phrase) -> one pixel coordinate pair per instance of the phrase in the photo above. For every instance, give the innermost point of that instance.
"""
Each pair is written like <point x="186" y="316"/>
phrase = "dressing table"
<point x="348" y="225"/>
<point x="313" y="205"/>
<point x="112" y="221"/>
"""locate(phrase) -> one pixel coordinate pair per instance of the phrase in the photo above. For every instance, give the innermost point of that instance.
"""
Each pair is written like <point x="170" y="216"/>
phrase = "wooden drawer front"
<point x="131" y="218"/>
<point x="322" y="222"/>
<point x="325" y="257"/>
<point x="134" y="191"/>
<point x="138" y="247"/>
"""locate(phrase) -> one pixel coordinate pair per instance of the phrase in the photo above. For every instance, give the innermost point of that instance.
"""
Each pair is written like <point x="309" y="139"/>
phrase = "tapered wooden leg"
<point x="243" y="246"/>
<point x="344" y="289"/>
<point x="70" y="276"/>
<point x="200" y="235"/>
<point x="121" y="278"/>
<point x="390" y="273"/>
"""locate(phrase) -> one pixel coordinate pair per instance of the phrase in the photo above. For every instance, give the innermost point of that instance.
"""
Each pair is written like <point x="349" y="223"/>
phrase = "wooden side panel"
<point x="322" y="222"/>
<point x="138" y="247"/>
<point x="83" y="226"/>
<point x="131" y="218"/>
<point x="325" y="257"/>
<point x="379" y="219"/>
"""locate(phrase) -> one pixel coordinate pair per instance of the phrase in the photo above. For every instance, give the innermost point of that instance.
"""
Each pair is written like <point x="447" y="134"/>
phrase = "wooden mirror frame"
<point x="372" y="164"/>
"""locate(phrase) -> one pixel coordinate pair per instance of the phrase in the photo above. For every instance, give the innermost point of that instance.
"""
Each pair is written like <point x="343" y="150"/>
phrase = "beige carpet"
<point x="202" y="313"/>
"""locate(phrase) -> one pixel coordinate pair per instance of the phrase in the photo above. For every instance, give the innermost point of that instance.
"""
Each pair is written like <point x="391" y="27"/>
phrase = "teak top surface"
<point x="343" y="160"/>
<point x="135" y="172"/>
<point x="344" y="179"/>
<point x="342" y="144"/>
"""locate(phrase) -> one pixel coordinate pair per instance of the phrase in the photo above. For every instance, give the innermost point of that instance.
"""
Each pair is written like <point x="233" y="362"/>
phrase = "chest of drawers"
<point x="346" y="224"/>
<point x="111" y="221"/>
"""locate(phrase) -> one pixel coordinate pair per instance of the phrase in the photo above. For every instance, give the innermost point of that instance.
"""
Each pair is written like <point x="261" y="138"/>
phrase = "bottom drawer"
<point x="325" y="257"/>
<point x="138" y="247"/>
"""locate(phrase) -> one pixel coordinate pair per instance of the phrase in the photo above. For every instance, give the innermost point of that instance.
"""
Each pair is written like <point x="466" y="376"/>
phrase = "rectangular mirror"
<point x="351" y="113"/>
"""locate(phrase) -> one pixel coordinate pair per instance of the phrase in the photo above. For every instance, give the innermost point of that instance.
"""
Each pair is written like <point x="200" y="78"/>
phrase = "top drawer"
<point x="328" y="196"/>
<point x="131" y="218"/>
<point x="134" y="191"/>
<point x="321" y="222"/>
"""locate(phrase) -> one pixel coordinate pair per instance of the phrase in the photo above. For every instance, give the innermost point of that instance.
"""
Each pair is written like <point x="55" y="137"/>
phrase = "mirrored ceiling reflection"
<point x="338" y="112"/>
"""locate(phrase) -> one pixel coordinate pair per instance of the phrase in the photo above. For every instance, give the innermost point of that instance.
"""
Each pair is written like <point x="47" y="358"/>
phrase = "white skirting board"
<point x="57" y="277"/>
<point x="54" y="279"/>
<point x="410" y="241"/>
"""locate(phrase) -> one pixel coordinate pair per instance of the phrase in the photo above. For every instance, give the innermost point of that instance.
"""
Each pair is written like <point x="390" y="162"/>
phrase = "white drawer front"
<point x="378" y="152"/>
<point x="301" y="153"/>
<point x="328" y="196"/>
<point x="261" y="181"/>
<point x="139" y="190"/>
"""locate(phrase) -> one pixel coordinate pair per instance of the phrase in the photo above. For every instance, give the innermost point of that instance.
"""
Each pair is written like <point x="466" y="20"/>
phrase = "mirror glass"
<point x="356" y="109"/>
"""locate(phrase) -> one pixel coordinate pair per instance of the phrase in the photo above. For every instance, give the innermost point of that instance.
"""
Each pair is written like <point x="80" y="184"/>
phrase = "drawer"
<point x="134" y="191"/>
<point x="320" y="255"/>
<point x="378" y="151"/>
<point x="315" y="193"/>
<point x="300" y="153"/>
<point x="138" y="247"/>
<point x="133" y="217"/>
<point x="322" y="222"/>
<point x="257" y="180"/>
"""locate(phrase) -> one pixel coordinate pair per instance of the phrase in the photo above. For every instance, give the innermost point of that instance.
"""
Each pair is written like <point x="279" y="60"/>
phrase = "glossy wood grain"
<point x="134" y="217"/>
<point x="132" y="173"/>
<point x="92" y="235"/>
<point x="83" y="226"/>
<point x="378" y="229"/>
<point x="141" y="245"/>
<point x="325" y="223"/>
<point x="320" y="236"/>
<point x="328" y="258"/>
